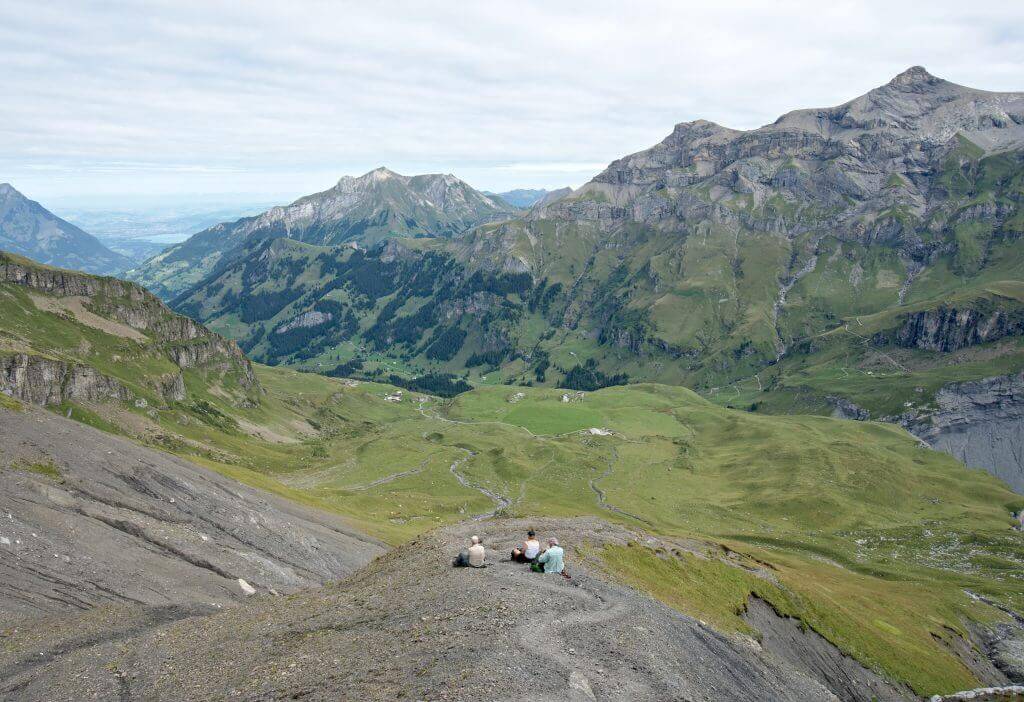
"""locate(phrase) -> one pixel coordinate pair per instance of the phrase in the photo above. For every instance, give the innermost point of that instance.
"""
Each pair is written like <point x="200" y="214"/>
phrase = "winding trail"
<point x="500" y="501"/>
<point x="545" y="639"/>
<point x="391" y="478"/>
<point x="602" y="499"/>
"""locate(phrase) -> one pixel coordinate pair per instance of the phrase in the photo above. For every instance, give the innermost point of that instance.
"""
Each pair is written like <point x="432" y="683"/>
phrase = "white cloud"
<point x="282" y="98"/>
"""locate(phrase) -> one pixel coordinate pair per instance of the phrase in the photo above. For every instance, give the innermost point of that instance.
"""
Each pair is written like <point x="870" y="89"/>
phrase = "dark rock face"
<point x="808" y="651"/>
<point x="1004" y="645"/>
<point x="111" y="522"/>
<point x="844" y="409"/>
<point x="979" y="422"/>
<point x="949" y="329"/>
<point x="172" y="387"/>
<point x="44" y="381"/>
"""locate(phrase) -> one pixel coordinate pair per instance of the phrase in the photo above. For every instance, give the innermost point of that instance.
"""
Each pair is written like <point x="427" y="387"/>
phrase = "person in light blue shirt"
<point x="551" y="560"/>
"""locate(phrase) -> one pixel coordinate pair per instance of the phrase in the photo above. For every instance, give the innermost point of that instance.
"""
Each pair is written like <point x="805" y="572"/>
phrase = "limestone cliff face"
<point x="950" y="329"/>
<point x="183" y="340"/>
<point x="981" y="423"/>
<point x="57" y="281"/>
<point x="217" y="352"/>
<point x="45" y="381"/>
<point x="39" y="380"/>
<point x="836" y="164"/>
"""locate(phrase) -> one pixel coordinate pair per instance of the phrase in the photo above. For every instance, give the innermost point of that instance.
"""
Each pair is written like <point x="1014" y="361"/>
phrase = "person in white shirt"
<point x="529" y="551"/>
<point x="476" y="553"/>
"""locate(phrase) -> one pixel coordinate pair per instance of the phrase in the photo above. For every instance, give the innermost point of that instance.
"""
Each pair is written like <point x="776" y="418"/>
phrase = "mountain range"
<point x="863" y="259"/>
<point x="29" y="229"/>
<point x="521" y="197"/>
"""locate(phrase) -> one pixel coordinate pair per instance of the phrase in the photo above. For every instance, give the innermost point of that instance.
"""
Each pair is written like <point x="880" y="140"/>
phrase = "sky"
<point x="109" y="102"/>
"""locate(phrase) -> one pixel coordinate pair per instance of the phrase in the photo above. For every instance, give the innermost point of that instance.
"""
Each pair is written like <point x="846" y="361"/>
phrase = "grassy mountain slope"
<point x="375" y="206"/>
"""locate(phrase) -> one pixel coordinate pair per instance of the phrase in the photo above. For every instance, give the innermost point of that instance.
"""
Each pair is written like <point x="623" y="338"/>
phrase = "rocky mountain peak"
<point x="377" y="175"/>
<point x="914" y="77"/>
<point x="381" y="173"/>
<point x="29" y="229"/>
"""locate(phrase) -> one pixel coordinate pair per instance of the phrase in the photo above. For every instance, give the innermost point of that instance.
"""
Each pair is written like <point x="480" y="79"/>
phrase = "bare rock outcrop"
<point x="950" y="329"/>
<point x="91" y="519"/>
<point x="979" y="422"/>
<point x="45" y="381"/>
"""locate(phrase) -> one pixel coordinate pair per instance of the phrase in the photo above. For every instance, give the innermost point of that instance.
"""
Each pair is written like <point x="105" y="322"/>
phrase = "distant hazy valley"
<point x="144" y="230"/>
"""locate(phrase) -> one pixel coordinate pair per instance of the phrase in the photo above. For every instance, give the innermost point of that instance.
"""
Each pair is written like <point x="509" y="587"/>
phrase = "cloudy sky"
<point x="109" y="100"/>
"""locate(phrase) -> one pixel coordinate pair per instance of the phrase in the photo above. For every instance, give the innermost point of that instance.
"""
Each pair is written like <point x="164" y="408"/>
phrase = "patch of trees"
<point x="440" y="384"/>
<point x="427" y="274"/>
<point x="304" y="342"/>
<point x="445" y="344"/>
<point x="498" y="283"/>
<point x="264" y="305"/>
<point x="362" y="272"/>
<point x="542" y="296"/>
<point x="588" y="377"/>
<point x="491" y="358"/>
<point x="308" y="342"/>
<point x="543" y="362"/>
<point x="409" y="329"/>
<point x="331" y="307"/>
<point x="343" y="370"/>
<point x="255" y="336"/>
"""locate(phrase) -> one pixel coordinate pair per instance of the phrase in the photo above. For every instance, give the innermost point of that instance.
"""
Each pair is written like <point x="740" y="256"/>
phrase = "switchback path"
<point x="602" y="499"/>
<point x="391" y="478"/>
<point x="500" y="501"/>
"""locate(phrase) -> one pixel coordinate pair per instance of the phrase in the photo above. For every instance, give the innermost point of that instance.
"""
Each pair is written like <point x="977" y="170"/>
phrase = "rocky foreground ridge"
<point x="409" y="626"/>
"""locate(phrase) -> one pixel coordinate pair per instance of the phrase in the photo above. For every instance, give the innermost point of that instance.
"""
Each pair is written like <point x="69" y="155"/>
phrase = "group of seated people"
<point x="541" y="560"/>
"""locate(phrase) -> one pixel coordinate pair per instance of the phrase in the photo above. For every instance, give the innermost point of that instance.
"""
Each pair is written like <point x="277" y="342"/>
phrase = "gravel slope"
<point x="408" y="626"/>
<point x="107" y="521"/>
